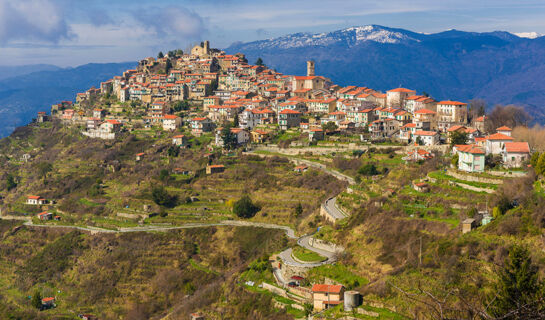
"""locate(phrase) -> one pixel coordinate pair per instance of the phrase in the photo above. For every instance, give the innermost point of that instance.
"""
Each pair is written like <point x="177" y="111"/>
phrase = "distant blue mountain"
<point x="499" y="67"/>
<point x="21" y="97"/>
<point x="14" y="71"/>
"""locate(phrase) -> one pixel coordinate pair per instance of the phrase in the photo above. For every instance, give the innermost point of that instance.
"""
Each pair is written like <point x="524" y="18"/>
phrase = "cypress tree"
<point x="519" y="289"/>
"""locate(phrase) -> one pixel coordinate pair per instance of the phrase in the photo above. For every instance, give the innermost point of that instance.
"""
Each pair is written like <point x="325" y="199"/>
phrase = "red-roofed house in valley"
<point x="418" y="154"/>
<point x="470" y="158"/>
<point x="196" y="316"/>
<point x="110" y="126"/>
<point x="44" y="216"/>
<point x="200" y="125"/>
<point x="242" y="136"/>
<point x="515" y="154"/>
<point x="428" y="138"/>
<point x="495" y="143"/>
<point x="326" y="295"/>
<point x="451" y="113"/>
<point x="35" y="200"/>
<point x="288" y="118"/>
<point x="421" y="187"/>
<point x="301" y="168"/>
<point x="259" y="136"/>
<point x="214" y="168"/>
<point x="48" y="302"/>
<point x="316" y="134"/>
<point x="171" y="122"/>
<point x="180" y="140"/>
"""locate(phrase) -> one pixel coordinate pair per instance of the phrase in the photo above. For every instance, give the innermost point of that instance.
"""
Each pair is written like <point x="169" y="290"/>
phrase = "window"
<point x="512" y="158"/>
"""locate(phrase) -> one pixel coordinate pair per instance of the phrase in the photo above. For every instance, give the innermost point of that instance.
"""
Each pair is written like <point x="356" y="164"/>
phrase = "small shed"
<point x="196" y="316"/>
<point x="180" y="141"/>
<point x="468" y="225"/>
<point x="45" y="216"/>
<point x="301" y="168"/>
<point x="216" y="168"/>
<point x="421" y="187"/>
<point x="139" y="156"/>
<point x="48" y="302"/>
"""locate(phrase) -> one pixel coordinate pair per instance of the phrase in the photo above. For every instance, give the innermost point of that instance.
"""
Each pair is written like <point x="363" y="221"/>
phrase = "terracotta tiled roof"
<point x="449" y="102"/>
<point x="425" y="133"/>
<point x="504" y="128"/>
<point x="469" y="148"/>
<point x="517" y="147"/>
<point x="425" y="111"/>
<point x="402" y="90"/>
<point x="499" y="136"/>
<point x="327" y="288"/>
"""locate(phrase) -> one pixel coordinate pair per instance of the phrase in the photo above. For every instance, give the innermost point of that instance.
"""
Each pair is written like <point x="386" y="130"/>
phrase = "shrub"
<point x="245" y="208"/>
<point x="368" y="169"/>
<point x="455" y="159"/>
<point x="36" y="301"/>
<point x="161" y="197"/>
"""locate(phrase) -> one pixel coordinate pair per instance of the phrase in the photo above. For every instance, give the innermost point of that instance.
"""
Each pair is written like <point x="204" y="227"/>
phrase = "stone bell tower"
<point x="310" y="68"/>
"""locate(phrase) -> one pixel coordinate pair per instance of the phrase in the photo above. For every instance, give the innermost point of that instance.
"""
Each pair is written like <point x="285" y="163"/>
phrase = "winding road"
<point x="290" y="233"/>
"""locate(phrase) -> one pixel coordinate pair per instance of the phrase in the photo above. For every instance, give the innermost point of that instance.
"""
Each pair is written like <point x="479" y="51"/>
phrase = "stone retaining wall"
<point x="326" y="215"/>
<point x="324" y="245"/>
<point x="274" y="289"/>
<point x="472" y="188"/>
<point x="468" y="177"/>
<point x="512" y="174"/>
<point x="131" y="215"/>
<point x="289" y="271"/>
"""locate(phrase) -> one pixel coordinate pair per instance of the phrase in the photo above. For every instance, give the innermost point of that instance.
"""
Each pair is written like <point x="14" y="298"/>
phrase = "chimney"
<point x="310" y="68"/>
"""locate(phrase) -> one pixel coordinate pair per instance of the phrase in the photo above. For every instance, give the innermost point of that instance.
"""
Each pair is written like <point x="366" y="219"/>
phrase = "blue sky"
<point x="74" y="32"/>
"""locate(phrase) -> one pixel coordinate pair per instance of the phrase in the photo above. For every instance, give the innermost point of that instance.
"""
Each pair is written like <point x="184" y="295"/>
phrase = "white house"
<point x="249" y="119"/>
<point x="243" y="136"/>
<point x="171" y="122"/>
<point x="179" y="140"/>
<point x="35" y="200"/>
<point x="428" y="138"/>
<point x="514" y="154"/>
<point x="495" y="143"/>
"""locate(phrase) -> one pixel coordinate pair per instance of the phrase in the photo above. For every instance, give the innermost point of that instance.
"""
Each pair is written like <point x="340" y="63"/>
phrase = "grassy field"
<point x="306" y="255"/>
<point x="339" y="273"/>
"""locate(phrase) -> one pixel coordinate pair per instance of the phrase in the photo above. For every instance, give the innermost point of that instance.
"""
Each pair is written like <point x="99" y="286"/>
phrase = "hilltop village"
<point x="199" y="186"/>
<point x="206" y="88"/>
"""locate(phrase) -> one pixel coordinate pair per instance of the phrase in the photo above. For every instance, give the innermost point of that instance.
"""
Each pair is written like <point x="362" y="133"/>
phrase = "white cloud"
<point x="32" y="20"/>
<point x="172" y="21"/>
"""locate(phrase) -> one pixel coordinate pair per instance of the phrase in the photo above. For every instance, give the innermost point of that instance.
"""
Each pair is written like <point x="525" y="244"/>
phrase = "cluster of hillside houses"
<point x="228" y="87"/>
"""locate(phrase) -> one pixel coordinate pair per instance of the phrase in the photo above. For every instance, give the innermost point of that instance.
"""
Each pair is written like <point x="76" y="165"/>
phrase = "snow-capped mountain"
<point x="350" y="37"/>
<point x="529" y="35"/>
<point x="498" y="66"/>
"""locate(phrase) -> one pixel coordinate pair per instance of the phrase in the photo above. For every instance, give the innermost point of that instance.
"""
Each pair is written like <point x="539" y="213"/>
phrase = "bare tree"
<point x="511" y="116"/>
<point x="477" y="108"/>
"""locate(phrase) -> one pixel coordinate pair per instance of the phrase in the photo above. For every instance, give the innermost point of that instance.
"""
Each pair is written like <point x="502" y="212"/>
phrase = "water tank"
<point x="351" y="300"/>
